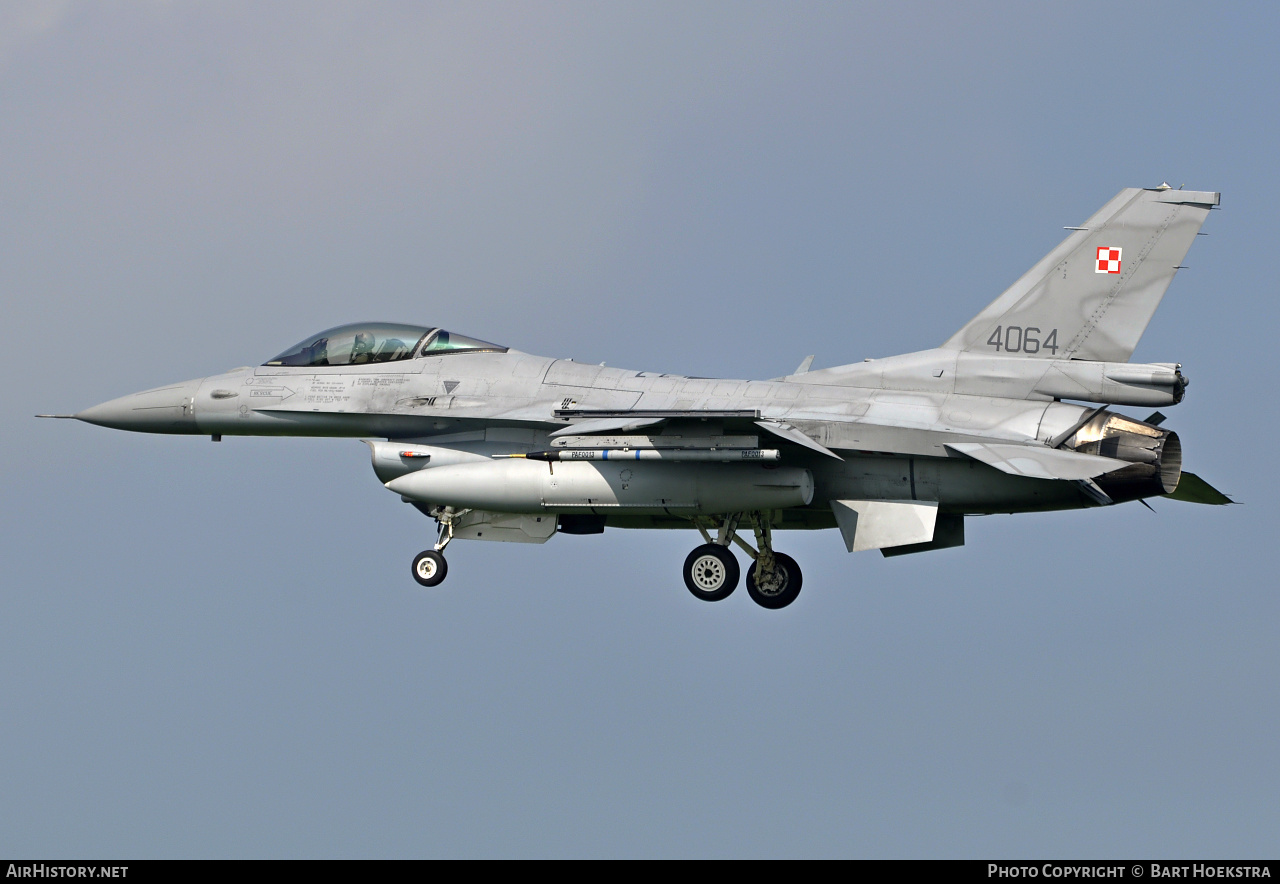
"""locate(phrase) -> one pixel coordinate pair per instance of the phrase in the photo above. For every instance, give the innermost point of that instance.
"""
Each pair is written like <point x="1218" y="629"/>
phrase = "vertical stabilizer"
<point x="1092" y="296"/>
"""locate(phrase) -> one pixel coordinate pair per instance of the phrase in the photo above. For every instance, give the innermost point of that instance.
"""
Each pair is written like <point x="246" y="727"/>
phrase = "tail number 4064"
<point x="1016" y="339"/>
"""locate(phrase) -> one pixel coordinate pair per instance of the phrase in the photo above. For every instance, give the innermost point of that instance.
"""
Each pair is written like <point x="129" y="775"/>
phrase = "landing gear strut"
<point x="773" y="581"/>
<point x="711" y="572"/>
<point x="429" y="566"/>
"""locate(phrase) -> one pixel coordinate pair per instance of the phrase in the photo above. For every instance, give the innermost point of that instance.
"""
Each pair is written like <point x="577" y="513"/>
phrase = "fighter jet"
<point x="1011" y="414"/>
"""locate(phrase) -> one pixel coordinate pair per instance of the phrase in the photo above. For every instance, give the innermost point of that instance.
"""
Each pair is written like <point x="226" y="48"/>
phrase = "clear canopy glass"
<point x="448" y="342"/>
<point x="369" y="342"/>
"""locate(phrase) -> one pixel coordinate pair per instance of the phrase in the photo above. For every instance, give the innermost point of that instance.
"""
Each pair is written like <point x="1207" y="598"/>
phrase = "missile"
<point x="670" y="455"/>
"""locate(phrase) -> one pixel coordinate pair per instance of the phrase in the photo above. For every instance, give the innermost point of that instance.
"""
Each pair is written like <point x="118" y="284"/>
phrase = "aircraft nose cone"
<point x="162" y="410"/>
<point x="405" y="485"/>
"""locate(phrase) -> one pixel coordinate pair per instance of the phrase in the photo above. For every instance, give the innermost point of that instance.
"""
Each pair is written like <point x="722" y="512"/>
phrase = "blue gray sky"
<point x="217" y="650"/>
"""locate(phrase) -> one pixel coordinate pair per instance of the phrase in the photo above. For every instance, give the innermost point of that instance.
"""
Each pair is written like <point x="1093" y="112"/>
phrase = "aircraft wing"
<point x="1014" y="458"/>
<point x="595" y="421"/>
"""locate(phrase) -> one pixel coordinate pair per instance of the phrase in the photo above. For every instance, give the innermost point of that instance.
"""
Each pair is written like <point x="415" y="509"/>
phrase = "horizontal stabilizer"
<point x="1193" y="489"/>
<point x="1036" y="462"/>
<point x="876" y="524"/>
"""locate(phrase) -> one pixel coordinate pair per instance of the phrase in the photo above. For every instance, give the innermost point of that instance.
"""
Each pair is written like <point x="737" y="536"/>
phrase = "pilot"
<point x="362" y="349"/>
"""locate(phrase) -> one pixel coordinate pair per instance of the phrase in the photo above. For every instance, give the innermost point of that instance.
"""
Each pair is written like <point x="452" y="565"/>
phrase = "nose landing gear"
<point x="429" y="566"/>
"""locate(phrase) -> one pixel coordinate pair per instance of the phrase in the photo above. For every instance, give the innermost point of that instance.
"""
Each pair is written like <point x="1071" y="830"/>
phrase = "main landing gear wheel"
<point x="711" y="572"/>
<point x="430" y="568"/>
<point x="782" y="587"/>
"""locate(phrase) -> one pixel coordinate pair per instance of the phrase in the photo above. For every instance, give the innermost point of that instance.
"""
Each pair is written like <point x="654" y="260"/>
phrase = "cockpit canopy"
<point x="368" y="342"/>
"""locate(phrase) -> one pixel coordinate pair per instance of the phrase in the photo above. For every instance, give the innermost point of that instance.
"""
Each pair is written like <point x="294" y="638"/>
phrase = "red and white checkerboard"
<point x="1108" y="260"/>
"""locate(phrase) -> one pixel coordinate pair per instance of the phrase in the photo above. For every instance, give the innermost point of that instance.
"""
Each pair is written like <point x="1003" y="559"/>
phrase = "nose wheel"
<point x="430" y="568"/>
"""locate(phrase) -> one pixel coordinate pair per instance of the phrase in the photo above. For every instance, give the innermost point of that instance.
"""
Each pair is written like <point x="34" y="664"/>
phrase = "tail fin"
<point x="1092" y="296"/>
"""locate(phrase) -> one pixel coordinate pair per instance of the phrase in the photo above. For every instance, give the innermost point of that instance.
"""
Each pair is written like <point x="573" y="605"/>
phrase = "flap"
<point x="875" y="524"/>
<point x="791" y="434"/>
<point x="607" y="425"/>
<point x="607" y="420"/>
<point x="1190" y="197"/>
<point x="1038" y="462"/>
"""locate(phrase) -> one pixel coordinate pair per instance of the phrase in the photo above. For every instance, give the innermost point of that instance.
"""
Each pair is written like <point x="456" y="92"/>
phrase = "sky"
<point x="218" y="650"/>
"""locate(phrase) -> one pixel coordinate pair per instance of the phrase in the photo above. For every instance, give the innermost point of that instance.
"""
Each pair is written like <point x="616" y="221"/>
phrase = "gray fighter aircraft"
<point x="496" y="444"/>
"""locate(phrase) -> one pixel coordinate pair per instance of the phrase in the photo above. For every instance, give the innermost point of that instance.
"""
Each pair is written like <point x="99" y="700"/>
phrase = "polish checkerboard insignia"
<point x="1108" y="260"/>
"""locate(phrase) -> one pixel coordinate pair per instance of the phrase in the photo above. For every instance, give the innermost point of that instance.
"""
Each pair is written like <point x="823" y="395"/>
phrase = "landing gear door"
<point x="504" y="527"/>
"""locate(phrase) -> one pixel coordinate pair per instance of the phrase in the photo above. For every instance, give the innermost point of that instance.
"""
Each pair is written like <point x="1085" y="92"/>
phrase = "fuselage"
<point x="891" y="441"/>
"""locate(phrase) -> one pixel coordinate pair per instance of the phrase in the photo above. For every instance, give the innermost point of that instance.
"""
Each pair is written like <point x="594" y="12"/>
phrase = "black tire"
<point x="784" y="595"/>
<point x="429" y="568"/>
<point x="711" y="572"/>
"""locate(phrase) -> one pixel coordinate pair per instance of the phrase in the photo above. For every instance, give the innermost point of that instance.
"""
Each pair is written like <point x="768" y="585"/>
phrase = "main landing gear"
<point x="711" y="572"/>
<point x="429" y="566"/>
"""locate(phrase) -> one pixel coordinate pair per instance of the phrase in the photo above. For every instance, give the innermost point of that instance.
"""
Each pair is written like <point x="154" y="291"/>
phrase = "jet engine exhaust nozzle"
<point x="1154" y="455"/>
